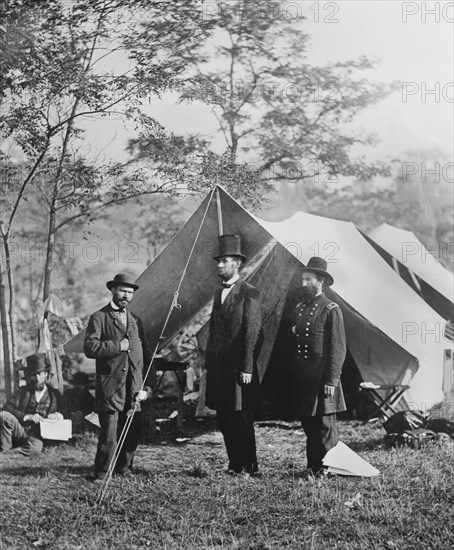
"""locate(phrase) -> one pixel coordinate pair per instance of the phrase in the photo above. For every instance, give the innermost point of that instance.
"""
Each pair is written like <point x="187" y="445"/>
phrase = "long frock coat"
<point x="320" y="353"/>
<point x="233" y="347"/>
<point x="115" y="390"/>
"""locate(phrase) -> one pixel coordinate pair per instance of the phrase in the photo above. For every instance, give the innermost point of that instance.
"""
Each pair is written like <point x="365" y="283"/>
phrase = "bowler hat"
<point x="122" y="279"/>
<point x="318" y="266"/>
<point x="229" y="245"/>
<point x="36" y="363"/>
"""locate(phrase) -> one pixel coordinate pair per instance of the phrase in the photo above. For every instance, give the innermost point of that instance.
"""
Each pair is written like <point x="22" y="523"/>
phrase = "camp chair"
<point x="384" y="396"/>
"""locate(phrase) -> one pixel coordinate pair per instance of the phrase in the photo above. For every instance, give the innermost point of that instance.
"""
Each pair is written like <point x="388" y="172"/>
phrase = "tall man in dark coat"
<point x="116" y="339"/>
<point x="232" y="348"/>
<point x="319" y="355"/>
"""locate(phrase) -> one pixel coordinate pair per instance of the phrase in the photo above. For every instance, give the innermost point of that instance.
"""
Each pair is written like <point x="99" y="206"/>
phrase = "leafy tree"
<point x="53" y="79"/>
<point x="287" y="119"/>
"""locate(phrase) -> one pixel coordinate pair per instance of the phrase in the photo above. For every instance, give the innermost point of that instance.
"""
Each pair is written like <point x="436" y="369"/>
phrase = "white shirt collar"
<point x="113" y="305"/>
<point x="40" y="394"/>
<point x="226" y="290"/>
<point x="234" y="279"/>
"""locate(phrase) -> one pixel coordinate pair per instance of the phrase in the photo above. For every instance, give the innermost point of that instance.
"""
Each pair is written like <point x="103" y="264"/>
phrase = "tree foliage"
<point x="288" y="119"/>
<point x="54" y="79"/>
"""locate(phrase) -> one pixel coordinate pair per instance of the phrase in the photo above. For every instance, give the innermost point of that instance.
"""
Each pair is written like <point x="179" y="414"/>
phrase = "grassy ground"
<point x="181" y="498"/>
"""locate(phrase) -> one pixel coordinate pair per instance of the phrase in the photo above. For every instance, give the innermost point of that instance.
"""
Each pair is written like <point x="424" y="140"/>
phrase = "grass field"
<point x="180" y="497"/>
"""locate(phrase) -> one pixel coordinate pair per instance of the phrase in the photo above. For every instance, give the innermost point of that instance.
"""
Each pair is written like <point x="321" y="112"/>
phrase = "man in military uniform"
<point x="116" y="339"/>
<point x="319" y="355"/>
<point x="231" y="354"/>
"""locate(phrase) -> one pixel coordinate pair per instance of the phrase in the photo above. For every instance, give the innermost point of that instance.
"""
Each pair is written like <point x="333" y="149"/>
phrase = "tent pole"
<point x="219" y="210"/>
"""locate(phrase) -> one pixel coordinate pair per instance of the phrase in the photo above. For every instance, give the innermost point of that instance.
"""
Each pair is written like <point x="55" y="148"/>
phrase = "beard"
<point x="309" y="293"/>
<point x="122" y="304"/>
<point x="39" y="386"/>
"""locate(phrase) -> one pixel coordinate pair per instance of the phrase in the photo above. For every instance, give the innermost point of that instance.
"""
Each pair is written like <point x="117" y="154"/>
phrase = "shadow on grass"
<point x="366" y="445"/>
<point x="168" y="432"/>
<point x="39" y="471"/>
<point x="280" y="424"/>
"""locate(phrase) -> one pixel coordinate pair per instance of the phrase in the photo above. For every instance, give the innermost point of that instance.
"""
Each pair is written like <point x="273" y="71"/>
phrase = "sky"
<point x="414" y="44"/>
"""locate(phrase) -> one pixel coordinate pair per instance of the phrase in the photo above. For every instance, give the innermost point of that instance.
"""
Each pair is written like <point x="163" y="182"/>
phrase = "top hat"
<point x="36" y="363"/>
<point x="229" y="245"/>
<point x="318" y="265"/>
<point x="122" y="279"/>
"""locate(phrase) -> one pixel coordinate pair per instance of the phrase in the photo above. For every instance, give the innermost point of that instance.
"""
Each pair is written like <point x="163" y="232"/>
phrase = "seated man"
<point x="20" y="417"/>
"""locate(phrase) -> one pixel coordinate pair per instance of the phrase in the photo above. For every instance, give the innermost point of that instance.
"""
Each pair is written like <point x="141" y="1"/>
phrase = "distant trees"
<point x="419" y="197"/>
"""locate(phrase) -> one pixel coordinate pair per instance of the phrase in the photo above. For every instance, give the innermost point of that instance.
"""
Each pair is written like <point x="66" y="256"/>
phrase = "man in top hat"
<point x="231" y="353"/>
<point x="21" y="416"/>
<point x="319" y="355"/>
<point x="116" y="339"/>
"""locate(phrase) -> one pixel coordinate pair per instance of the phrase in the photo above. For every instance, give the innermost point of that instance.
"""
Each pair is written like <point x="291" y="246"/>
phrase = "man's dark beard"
<point x="117" y="301"/>
<point x="309" y="293"/>
<point x="39" y="386"/>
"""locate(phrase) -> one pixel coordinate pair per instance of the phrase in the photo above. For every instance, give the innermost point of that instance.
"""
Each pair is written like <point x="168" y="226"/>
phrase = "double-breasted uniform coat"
<point x="319" y="355"/>
<point x="320" y="351"/>
<point x="233" y="346"/>
<point x="118" y="379"/>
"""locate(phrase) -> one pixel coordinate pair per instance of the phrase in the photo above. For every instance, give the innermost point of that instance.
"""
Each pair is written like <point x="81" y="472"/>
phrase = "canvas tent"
<point x="405" y="253"/>
<point x="384" y="318"/>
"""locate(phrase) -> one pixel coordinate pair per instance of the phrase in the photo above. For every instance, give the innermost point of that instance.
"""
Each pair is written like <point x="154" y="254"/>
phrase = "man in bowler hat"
<point x="320" y="351"/>
<point x="231" y="354"/>
<point x="116" y="339"/>
<point x="21" y="416"/>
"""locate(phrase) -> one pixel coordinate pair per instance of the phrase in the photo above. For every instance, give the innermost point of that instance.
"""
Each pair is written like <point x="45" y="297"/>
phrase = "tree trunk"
<point x="11" y="316"/>
<point x="49" y="253"/>
<point x="53" y="206"/>
<point x="7" y="359"/>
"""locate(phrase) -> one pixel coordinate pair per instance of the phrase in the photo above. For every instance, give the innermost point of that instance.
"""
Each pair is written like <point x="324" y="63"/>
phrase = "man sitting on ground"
<point x="21" y="416"/>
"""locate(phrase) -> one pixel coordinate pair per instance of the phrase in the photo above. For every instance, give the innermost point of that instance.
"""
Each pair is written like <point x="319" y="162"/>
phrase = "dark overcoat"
<point x="233" y="347"/>
<point x="118" y="373"/>
<point x="320" y="353"/>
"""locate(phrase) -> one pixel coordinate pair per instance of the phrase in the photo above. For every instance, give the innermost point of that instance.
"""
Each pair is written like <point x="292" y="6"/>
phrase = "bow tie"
<point x="227" y="285"/>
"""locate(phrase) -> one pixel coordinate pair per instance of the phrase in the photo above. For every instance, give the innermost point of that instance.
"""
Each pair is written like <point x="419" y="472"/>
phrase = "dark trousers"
<point x="112" y="424"/>
<point x="237" y="427"/>
<point x="322" y="435"/>
<point x="14" y="436"/>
